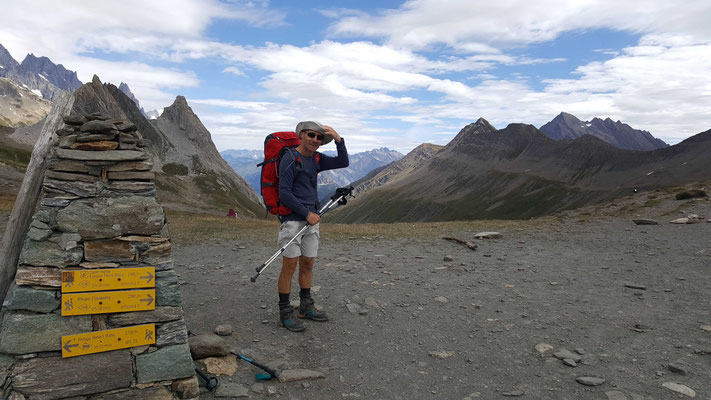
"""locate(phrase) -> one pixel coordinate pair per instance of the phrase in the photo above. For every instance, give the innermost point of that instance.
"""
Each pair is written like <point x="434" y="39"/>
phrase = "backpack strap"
<point x="267" y="161"/>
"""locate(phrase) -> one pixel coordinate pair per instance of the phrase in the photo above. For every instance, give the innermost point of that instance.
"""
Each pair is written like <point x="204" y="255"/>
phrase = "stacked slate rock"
<point x="99" y="210"/>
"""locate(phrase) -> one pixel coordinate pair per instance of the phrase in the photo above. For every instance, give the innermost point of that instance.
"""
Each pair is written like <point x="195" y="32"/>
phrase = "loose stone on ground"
<point x="679" y="388"/>
<point x="441" y="354"/>
<point x="589" y="380"/>
<point x="293" y="375"/>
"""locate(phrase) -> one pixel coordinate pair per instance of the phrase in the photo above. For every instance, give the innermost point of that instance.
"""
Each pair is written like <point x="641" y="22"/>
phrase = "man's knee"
<point x="289" y="264"/>
<point x="306" y="262"/>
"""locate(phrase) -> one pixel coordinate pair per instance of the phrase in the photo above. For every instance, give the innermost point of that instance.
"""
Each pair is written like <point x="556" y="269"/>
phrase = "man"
<point x="298" y="177"/>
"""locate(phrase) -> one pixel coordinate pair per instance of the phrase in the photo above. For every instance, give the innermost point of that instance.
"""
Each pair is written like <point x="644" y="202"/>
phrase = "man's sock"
<point x="283" y="300"/>
<point x="305" y="293"/>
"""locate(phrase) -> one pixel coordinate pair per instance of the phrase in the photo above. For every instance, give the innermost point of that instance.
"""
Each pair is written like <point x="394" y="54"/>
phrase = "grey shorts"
<point x="305" y="245"/>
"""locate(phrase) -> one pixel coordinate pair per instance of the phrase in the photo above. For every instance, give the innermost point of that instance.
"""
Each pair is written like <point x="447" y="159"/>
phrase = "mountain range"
<point x="618" y="134"/>
<point x="244" y="162"/>
<point x="38" y="74"/>
<point x="518" y="172"/>
<point x="515" y="172"/>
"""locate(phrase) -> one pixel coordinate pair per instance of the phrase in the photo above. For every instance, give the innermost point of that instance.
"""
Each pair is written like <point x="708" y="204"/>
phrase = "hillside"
<point x="518" y="172"/>
<point x="20" y="106"/>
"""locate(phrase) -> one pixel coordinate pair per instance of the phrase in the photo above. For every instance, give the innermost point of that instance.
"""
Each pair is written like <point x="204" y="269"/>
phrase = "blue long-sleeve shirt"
<point x="298" y="182"/>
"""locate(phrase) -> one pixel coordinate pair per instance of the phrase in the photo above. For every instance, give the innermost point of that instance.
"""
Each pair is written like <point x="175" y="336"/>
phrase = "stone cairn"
<point x="99" y="212"/>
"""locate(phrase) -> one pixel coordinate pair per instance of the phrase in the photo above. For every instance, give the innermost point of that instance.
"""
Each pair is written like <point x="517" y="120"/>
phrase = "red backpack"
<point x="275" y="145"/>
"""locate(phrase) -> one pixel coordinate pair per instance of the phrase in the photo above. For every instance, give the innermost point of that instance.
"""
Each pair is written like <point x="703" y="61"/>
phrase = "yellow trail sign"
<point x="112" y="339"/>
<point x="90" y="280"/>
<point x="108" y="302"/>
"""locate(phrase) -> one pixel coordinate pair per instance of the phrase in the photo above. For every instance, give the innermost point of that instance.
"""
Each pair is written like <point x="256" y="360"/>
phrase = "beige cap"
<point x="313" y="126"/>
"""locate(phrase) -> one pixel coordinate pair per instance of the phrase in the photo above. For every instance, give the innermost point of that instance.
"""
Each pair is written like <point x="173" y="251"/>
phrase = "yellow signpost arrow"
<point x="107" y="340"/>
<point x="108" y="302"/>
<point x="91" y="280"/>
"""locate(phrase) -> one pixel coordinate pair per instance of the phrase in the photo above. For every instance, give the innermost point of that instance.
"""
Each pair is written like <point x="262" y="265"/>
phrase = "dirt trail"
<point x="631" y="299"/>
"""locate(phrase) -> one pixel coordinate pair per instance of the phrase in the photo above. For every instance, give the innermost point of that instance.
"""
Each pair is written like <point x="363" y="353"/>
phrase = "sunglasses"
<point x="314" y="135"/>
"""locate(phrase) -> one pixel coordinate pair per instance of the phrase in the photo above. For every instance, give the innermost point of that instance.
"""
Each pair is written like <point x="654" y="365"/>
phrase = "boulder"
<point x="208" y="345"/>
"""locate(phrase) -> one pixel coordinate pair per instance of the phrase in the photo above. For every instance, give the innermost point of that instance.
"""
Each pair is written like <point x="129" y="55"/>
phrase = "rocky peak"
<point x="38" y="73"/>
<point x="180" y="114"/>
<point x="54" y="73"/>
<point x="469" y="132"/>
<point x="123" y="87"/>
<point x="616" y="133"/>
<point x="6" y="61"/>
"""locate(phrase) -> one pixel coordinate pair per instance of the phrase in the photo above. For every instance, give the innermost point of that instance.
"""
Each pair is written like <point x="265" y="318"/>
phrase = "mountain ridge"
<point x="519" y="172"/>
<point x="38" y="73"/>
<point x="618" y="134"/>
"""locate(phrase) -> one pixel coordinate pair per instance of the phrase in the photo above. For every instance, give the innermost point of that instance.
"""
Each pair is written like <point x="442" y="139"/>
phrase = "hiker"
<point x="231" y="213"/>
<point x="298" y="177"/>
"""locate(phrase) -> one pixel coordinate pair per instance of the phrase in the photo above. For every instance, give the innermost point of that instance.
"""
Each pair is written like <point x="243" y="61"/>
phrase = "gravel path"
<point x="628" y="301"/>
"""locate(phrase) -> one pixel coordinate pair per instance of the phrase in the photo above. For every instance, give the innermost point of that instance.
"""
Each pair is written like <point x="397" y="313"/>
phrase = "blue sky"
<point x="386" y="73"/>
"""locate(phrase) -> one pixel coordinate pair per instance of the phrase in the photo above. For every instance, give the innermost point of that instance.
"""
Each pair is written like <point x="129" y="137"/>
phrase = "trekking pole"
<point x="338" y="198"/>
<point x="273" y="373"/>
<point x="210" y="381"/>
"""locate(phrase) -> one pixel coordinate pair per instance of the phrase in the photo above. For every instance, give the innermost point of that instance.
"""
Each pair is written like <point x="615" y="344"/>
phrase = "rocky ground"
<point x="427" y="318"/>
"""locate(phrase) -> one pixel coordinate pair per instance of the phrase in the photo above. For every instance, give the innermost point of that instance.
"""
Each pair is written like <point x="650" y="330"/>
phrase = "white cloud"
<point x="393" y="85"/>
<point x="418" y="24"/>
<point x="234" y="70"/>
<point x="148" y="83"/>
<point x="76" y="33"/>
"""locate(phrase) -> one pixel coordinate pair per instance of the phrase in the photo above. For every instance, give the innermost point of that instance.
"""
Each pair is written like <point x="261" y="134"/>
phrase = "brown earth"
<point x="633" y="300"/>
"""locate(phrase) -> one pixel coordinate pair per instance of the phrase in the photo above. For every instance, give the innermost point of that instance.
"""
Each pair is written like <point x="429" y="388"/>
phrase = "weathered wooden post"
<point x="29" y="193"/>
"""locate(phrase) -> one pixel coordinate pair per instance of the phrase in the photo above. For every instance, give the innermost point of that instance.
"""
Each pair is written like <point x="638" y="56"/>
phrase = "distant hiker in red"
<point x="298" y="177"/>
<point x="231" y="214"/>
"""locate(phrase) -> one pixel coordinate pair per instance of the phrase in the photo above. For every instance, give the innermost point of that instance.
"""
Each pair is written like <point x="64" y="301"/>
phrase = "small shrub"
<point x="690" y="194"/>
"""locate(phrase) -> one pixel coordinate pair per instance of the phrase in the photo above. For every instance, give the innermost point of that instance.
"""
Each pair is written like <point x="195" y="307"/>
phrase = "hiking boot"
<point x="307" y="310"/>
<point x="288" y="320"/>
